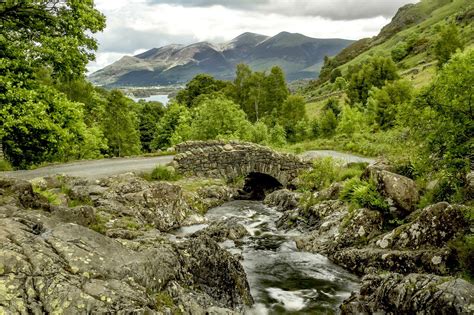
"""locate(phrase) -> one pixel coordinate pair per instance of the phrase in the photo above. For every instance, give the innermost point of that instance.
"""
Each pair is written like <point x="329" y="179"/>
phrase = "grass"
<point x="5" y="166"/>
<point x="326" y="171"/>
<point x="162" y="173"/>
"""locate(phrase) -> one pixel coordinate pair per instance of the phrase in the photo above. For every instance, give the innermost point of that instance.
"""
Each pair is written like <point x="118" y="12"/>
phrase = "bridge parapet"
<point x="234" y="159"/>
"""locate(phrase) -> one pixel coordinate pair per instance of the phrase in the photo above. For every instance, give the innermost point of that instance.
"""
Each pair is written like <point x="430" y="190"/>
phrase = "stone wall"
<point x="233" y="159"/>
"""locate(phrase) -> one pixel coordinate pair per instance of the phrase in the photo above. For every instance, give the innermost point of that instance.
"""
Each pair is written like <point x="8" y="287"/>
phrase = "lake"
<point x="163" y="98"/>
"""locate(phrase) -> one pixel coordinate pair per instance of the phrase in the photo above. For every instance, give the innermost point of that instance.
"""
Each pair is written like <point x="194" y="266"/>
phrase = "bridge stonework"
<point x="233" y="159"/>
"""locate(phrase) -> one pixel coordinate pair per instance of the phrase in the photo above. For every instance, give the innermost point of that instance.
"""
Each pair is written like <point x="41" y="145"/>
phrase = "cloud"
<point x="138" y="25"/>
<point x="330" y="9"/>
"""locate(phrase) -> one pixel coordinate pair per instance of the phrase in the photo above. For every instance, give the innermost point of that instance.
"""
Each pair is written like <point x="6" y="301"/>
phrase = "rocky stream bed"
<point x="124" y="245"/>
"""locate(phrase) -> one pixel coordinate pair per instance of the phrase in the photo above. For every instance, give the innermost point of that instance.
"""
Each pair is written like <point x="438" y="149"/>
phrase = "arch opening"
<point x="257" y="185"/>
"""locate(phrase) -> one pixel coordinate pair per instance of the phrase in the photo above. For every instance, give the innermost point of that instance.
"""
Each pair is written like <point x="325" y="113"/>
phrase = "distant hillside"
<point x="300" y="57"/>
<point x="413" y="27"/>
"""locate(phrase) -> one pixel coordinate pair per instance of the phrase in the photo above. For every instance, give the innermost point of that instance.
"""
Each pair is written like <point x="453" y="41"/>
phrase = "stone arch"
<point x="236" y="159"/>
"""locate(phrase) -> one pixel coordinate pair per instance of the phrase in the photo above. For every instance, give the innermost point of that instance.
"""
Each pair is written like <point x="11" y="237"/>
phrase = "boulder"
<point x="400" y="191"/>
<point x="411" y="294"/>
<point x="217" y="272"/>
<point x="219" y="231"/>
<point x="283" y="199"/>
<point x="431" y="227"/>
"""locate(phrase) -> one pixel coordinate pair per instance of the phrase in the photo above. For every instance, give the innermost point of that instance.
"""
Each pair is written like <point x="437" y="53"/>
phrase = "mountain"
<point x="300" y="57"/>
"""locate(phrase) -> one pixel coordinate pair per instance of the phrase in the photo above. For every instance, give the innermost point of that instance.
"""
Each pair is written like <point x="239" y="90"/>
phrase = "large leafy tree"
<point x="375" y="72"/>
<point x="38" y="122"/>
<point x="120" y="125"/>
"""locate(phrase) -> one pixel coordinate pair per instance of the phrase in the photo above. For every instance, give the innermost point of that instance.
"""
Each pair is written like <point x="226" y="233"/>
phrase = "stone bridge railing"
<point x="234" y="159"/>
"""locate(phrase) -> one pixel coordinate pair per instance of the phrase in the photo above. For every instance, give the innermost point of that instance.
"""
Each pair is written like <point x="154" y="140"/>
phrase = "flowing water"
<point x="282" y="279"/>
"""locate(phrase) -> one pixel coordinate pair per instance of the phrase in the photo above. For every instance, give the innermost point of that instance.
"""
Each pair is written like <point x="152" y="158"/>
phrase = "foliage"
<point x="323" y="173"/>
<point x="328" y="123"/>
<point x="374" y="72"/>
<point x="363" y="194"/>
<point x="120" y="125"/>
<point x="218" y="117"/>
<point x="333" y="104"/>
<point x="168" y="124"/>
<point x="260" y="133"/>
<point x="448" y="42"/>
<point x="464" y="249"/>
<point x="40" y="123"/>
<point x="202" y="84"/>
<point x="278" y="136"/>
<point x="383" y="103"/>
<point x="149" y="113"/>
<point x="292" y="112"/>
<point x="162" y="173"/>
<point x="352" y="120"/>
<point x="259" y="94"/>
<point x="5" y="166"/>
<point x="441" y="117"/>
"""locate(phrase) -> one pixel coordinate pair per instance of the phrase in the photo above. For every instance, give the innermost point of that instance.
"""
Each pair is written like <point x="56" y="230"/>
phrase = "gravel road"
<point x="106" y="167"/>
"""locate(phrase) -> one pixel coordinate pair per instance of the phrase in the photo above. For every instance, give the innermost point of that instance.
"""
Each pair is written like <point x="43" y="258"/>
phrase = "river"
<point x="282" y="279"/>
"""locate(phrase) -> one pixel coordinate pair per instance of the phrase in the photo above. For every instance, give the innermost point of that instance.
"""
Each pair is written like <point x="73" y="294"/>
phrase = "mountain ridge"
<point x="300" y="57"/>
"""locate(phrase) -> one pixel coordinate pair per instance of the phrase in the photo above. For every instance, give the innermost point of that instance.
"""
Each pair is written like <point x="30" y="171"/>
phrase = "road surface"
<point x="95" y="168"/>
<point x="346" y="157"/>
<point x="107" y="167"/>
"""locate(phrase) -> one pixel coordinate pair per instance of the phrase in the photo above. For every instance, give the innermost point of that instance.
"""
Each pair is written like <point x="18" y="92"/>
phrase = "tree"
<point x="167" y="125"/>
<point x="276" y="91"/>
<point x="383" y="103"/>
<point x="328" y="123"/>
<point x="53" y="37"/>
<point x="448" y="42"/>
<point x="333" y="104"/>
<point x="293" y="111"/>
<point x="375" y="72"/>
<point x="278" y="136"/>
<point x="351" y="120"/>
<point x="217" y="117"/>
<point x="202" y="84"/>
<point x="149" y="113"/>
<point x="121" y="125"/>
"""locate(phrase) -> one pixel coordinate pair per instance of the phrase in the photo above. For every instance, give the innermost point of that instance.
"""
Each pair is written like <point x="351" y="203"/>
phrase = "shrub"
<point x="324" y="172"/>
<point x="163" y="173"/>
<point x="363" y="194"/>
<point x="5" y="166"/>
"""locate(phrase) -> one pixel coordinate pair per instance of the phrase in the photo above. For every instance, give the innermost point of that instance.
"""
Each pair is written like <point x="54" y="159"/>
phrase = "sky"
<point x="134" y="26"/>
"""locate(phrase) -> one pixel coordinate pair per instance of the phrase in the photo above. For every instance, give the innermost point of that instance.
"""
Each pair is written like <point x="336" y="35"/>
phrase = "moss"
<point x="128" y="223"/>
<point x="164" y="301"/>
<point x="464" y="249"/>
<point x="48" y="195"/>
<point x="99" y="225"/>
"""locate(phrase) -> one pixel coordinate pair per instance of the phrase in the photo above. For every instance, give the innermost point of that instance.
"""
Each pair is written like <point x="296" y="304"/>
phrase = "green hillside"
<point x="412" y="32"/>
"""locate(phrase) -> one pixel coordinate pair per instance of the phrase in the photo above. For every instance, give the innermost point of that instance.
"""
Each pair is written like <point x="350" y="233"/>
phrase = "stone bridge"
<point x="236" y="159"/>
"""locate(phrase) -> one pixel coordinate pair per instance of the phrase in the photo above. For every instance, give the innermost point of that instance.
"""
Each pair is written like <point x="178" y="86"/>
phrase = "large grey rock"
<point x="411" y="294"/>
<point x="283" y="199"/>
<point x="50" y="266"/>
<point x="400" y="190"/>
<point x="219" y="231"/>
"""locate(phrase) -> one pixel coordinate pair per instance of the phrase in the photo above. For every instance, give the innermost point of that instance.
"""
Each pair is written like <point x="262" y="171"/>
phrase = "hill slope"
<point x="414" y="25"/>
<point x="299" y="56"/>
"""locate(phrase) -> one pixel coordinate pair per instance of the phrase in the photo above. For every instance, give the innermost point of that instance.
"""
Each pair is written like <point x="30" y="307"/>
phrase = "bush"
<point x="163" y="173"/>
<point x="278" y="136"/>
<point x="324" y="172"/>
<point x="363" y="194"/>
<point x="5" y="166"/>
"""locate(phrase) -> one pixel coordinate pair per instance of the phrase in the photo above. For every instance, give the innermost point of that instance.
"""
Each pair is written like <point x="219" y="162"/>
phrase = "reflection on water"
<point x="282" y="279"/>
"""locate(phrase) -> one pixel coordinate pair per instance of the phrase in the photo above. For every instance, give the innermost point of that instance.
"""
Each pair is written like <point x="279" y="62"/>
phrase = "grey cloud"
<point x="330" y="9"/>
<point x="127" y="40"/>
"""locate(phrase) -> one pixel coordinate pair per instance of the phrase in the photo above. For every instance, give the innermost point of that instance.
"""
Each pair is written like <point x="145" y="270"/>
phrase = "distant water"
<point x="163" y="98"/>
